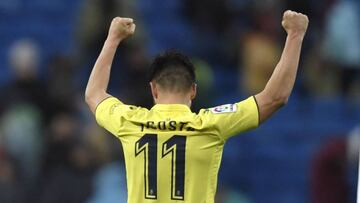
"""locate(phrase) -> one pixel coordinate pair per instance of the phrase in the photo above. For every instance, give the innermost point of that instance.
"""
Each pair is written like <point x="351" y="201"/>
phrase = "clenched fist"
<point x="295" y="23"/>
<point x="121" y="28"/>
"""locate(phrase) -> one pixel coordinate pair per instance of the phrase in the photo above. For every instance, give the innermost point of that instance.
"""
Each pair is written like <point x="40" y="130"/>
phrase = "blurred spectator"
<point x="265" y="18"/>
<point x="92" y="30"/>
<point x="109" y="181"/>
<point x="23" y="109"/>
<point x="61" y="85"/>
<point x="110" y="184"/>
<point x="61" y="135"/>
<point x="319" y="75"/>
<point x="342" y="39"/>
<point x="334" y="169"/>
<point x="22" y="131"/>
<point x="328" y="181"/>
<point x="94" y="22"/>
<point x="68" y="164"/>
<point x="205" y="83"/>
<point x="259" y="57"/>
<point x="24" y="59"/>
<point x="26" y="87"/>
<point x="136" y="77"/>
<point x="260" y="50"/>
<point x="74" y="179"/>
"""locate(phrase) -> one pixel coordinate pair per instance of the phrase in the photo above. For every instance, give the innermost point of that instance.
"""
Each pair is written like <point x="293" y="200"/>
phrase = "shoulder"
<point x="112" y="105"/>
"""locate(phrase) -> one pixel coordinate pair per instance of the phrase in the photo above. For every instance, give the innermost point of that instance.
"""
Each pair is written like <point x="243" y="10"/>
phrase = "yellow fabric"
<point x="179" y="149"/>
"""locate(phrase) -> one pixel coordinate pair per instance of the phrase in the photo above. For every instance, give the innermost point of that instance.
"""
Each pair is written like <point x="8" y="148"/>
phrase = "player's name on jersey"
<point x="166" y="125"/>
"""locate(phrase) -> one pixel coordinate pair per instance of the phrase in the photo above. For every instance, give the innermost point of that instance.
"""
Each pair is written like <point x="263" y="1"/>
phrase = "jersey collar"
<point x="171" y="107"/>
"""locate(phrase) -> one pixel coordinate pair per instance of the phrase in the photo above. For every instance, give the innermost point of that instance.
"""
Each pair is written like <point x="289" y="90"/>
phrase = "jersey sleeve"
<point x="231" y="119"/>
<point x="112" y="115"/>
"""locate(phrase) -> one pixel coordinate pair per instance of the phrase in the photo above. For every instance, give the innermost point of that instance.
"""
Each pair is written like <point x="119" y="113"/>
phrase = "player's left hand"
<point x="295" y="23"/>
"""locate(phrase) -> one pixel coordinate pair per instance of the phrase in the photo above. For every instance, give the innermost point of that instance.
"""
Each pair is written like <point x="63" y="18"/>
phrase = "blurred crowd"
<point x="51" y="150"/>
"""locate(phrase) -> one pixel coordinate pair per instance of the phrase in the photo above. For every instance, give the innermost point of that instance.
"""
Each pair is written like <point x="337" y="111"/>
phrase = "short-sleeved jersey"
<point x="172" y="154"/>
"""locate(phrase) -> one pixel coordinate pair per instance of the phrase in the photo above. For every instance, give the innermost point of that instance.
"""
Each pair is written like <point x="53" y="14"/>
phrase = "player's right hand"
<point x="295" y="23"/>
<point x="121" y="28"/>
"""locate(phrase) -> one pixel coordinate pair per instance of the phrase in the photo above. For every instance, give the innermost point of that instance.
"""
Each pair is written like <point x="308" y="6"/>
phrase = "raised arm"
<point x="279" y="87"/>
<point x="96" y="89"/>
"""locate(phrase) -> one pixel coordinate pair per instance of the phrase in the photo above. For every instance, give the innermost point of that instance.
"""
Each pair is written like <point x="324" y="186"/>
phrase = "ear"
<point x="193" y="91"/>
<point x="154" y="90"/>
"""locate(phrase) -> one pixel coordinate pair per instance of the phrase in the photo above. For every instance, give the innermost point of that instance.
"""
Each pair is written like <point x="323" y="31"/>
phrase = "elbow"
<point x="276" y="99"/>
<point x="88" y="97"/>
<point x="90" y="100"/>
<point x="93" y="98"/>
<point x="281" y="101"/>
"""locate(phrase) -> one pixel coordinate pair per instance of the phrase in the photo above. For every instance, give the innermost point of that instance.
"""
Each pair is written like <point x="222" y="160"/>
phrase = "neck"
<point x="173" y="99"/>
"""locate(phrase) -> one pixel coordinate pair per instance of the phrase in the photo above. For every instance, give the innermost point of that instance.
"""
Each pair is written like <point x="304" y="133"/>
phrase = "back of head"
<point x="173" y="72"/>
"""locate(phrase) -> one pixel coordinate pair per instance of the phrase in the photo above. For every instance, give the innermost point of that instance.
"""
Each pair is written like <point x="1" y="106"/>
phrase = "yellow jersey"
<point x="173" y="155"/>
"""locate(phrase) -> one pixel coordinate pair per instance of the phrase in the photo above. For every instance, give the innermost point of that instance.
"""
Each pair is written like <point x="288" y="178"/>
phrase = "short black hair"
<point x="173" y="71"/>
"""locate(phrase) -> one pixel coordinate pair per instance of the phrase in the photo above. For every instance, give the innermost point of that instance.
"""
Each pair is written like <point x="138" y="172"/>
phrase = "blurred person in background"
<point x="109" y="181"/>
<point x="26" y="87"/>
<point x="68" y="164"/>
<point x="94" y="20"/>
<point x="259" y="56"/>
<point x="61" y="86"/>
<point x="205" y="82"/>
<point x="74" y="178"/>
<point x="319" y="79"/>
<point x="260" y="49"/>
<point x="335" y="168"/>
<point x="136" y="69"/>
<point x="92" y="30"/>
<point x="62" y="132"/>
<point x="23" y="111"/>
<point x="341" y="44"/>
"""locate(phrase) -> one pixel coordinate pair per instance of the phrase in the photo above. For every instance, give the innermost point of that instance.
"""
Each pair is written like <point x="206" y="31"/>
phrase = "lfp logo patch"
<point x="226" y="108"/>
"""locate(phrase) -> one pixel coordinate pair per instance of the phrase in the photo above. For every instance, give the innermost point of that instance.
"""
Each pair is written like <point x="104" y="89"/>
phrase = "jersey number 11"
<point x="175" y="146"/>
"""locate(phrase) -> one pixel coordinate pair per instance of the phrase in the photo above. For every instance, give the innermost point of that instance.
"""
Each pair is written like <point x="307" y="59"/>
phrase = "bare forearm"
<point x="282" y="81"/>
<point x="96" y="89"/>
